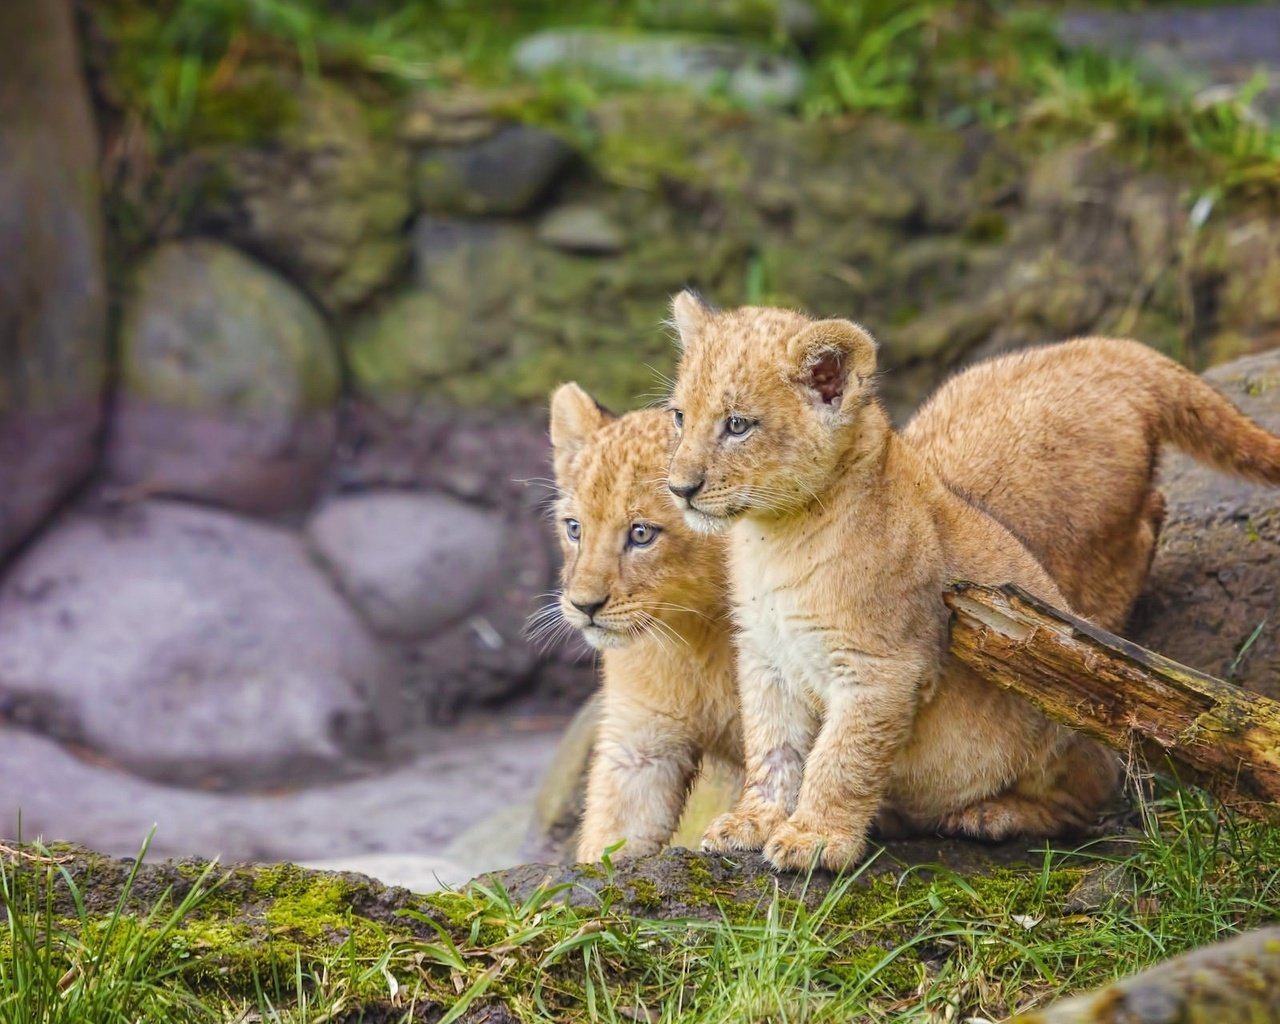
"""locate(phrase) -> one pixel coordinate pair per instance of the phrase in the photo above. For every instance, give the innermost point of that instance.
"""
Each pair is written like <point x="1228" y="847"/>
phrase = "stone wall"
<point x="315" y="526"/>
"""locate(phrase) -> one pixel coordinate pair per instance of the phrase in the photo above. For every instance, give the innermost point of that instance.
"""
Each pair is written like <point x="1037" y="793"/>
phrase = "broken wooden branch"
<point x="1207" y="731"/>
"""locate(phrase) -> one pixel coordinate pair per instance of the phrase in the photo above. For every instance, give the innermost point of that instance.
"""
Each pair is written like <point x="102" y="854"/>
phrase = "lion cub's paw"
<point x="793" y="848"/>
<point x="739" y="830"/>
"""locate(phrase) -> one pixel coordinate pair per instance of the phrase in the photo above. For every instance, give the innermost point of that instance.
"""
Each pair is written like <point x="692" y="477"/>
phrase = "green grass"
<point x="109" y="969"/>
<point x="926" y="947"/>
<point x="181" y="66"/>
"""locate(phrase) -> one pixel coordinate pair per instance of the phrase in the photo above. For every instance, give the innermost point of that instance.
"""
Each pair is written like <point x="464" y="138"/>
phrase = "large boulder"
<point x="228" y="383"/>
<point x="192" y="646"/>
<point x="411" y="562"/>
<point x="52" y="291"/>
<point x="1211" y="599"/>
<point x="496" y="467"/>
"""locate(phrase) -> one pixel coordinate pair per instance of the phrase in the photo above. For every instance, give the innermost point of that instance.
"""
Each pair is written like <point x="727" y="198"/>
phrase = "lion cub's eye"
<point x="573" y="530"/>
<point x="738" y="425"/>
<point x="678" y="416"/>
<point x="642" y="535"/>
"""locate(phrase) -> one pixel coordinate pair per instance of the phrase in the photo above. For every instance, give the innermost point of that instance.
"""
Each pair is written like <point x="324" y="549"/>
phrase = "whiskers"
<point x="665" y="635"/>
<point x="546" y="627"/>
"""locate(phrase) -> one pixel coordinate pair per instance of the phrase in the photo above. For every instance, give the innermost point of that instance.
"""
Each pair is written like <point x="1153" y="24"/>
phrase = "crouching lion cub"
<point x="843" y="535"/>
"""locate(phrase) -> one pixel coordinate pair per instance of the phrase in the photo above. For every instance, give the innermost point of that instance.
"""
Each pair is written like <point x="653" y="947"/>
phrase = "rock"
<point x="506" y="172"/>
<point x="1203" y="48"/>
<point x="678" y="883"/>
<point x="411" y="563"/>
<point x="191" y="646"/>
<point x="499" y="461"/>
<point x="753" y="77"/>
<point x="487" y="655"/>
<point x="266" y="921"/>
<point x="57" y="793"/>
<point x="52" y="288"/>
<point x="472" y="279"/>
<point x="582" y="229"/>
<point x="414" y="872"/>
<point x="1236" y="981"/>
<point x="228" y="383"/>
<point x="1216" y="572"/>
<point x="326" y="200"/>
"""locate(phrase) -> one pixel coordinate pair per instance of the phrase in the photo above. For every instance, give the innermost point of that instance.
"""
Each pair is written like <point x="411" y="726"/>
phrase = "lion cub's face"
<point x="631" y="567"/>
<point x="763" y="401"/>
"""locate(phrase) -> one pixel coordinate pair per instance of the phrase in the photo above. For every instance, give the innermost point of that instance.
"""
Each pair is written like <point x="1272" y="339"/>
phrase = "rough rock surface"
<point x="1216" y="573"/>
<point x="52" y="289"/>
<point x="190" y="646"/>
<point x="410" y="562"/>
<point x="1223" y="46"/>
<point x="228" y="383"/>
<point x="498" y="462"/>
<point x="505" y="173"/>
<point x="410" y="811"/>
<point x="326" y="200"/>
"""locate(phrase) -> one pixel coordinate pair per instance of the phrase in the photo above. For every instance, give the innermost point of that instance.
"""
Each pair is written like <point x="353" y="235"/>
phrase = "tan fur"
<point x="669" y="686"/>
<point x="1061" y="444"/>
<point x="843" y="536"/>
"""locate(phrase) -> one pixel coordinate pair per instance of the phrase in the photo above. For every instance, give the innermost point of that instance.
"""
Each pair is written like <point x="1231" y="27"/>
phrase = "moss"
<point x="644" y="894"/>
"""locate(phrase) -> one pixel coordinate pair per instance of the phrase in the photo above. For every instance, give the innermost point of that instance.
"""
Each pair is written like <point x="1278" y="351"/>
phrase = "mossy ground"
<point x="676" y="937"/>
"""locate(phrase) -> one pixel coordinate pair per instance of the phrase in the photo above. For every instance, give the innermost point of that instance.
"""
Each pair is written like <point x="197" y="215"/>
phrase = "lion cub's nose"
<point x="589" y="608"/>
<point x="686" y="491"/>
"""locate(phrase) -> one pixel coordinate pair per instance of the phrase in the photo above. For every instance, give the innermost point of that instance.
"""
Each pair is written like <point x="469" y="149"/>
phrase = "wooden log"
<point x="1231" y="982"/>
<point x="1205" y="730"/>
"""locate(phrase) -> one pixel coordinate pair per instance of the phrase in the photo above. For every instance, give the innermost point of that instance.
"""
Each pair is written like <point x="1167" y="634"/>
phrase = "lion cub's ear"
<point x="575" y="416"/>
<point x="833" y="360"/>
<point x="689" y="312"/>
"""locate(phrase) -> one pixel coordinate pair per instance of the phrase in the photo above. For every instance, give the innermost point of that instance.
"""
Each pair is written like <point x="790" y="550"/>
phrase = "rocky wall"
<point x="341" y="308"/>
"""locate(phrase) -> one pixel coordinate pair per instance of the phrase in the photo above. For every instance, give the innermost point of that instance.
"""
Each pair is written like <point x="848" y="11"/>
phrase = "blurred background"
<point x="284" y="285"/>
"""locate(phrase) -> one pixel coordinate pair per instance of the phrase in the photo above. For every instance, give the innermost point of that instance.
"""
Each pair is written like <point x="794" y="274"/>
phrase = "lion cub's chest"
<point x="778" y="618"/>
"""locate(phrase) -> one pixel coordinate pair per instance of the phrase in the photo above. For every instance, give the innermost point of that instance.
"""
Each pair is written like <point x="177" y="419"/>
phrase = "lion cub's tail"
<point x="1196" y="419"/>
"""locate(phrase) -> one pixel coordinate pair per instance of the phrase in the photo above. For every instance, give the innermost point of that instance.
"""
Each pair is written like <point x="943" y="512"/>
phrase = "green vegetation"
<point x="186" y="67"/>
<point x="284" y="945"/>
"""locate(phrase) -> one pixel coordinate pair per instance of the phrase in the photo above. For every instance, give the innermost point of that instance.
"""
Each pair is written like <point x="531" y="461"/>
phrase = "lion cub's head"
<point x="631" y="566"/>
<point x="765" y="403"/>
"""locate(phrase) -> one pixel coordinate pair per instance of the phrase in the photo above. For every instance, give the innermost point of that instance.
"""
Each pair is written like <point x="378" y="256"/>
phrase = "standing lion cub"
<point x="842" y="536"/>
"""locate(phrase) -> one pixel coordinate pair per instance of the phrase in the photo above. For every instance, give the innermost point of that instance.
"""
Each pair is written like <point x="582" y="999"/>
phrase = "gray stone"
<point x="507" y="172"/>
<point x="472" y="280"/>
<point x="486" y="654"/>
<point x="581" y="228"/>
<point x="411" y="812"/>
<point x="752" y="77"/>
<point x="1217" y="568"/>
<point x="228" y="383"/>
<point x="190" y="645"/>
<point x="327" y="201"/>
<point x="52" y="289"/>
<point x="411" y="563"/>
<point x="1214" y="46"/>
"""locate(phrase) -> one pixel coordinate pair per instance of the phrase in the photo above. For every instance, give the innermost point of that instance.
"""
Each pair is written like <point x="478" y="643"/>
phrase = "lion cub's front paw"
<point x="739" y="830"/>
<point x="794" y="848"/>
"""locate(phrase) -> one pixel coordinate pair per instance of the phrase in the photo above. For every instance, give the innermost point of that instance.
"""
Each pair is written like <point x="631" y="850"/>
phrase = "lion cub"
<point x="843" y="537"/>
<point x="651" y="596"/>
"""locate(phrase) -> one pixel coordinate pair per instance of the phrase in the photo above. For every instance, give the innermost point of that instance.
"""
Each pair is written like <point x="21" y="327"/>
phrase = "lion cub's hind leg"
<point x="1067" y="800"/>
